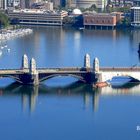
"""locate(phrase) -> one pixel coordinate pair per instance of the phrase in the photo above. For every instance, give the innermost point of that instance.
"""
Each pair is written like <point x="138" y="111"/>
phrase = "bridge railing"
<point x="63" y="69"/>
<point x="120" y="68"/>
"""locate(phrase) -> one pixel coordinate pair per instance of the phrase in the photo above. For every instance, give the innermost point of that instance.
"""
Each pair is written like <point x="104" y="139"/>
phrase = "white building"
<point x="101" y="4"/>
<point x="135" y="16"/>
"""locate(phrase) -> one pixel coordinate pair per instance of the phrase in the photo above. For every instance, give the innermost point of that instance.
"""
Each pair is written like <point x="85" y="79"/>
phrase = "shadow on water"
<point x="30" y="94"/>
<point x="90" y="95"/>
<point x="126" y="85"/>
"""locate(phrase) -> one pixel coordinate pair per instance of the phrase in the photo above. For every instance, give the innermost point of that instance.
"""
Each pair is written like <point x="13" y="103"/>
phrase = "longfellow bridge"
<point x="30" y="74"/>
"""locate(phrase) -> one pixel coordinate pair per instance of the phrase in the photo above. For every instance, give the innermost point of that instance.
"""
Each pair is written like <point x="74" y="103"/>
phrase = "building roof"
<point x="77" y="12"/>
<point x="37" y="11"/>
<point x="100" y="14"/>
<point x="135" y="8"/>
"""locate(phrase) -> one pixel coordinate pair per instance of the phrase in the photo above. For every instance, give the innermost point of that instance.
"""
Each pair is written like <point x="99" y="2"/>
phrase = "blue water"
<point x="61" y="108"/>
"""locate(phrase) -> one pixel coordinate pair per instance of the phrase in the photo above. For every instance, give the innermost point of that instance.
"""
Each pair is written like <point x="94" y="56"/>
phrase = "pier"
<point x="30" y="74"/>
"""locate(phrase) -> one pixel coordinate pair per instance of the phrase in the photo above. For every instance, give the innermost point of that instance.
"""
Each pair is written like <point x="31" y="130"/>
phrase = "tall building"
<point x="3" y="4"/>
<point x="135" y="16"/>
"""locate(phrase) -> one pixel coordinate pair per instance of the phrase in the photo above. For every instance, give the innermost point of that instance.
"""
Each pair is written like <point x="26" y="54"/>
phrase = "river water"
<point x="61" y="108"/>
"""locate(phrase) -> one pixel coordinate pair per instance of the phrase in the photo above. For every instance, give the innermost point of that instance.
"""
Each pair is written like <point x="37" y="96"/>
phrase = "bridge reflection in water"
<point x="90" y="96"/>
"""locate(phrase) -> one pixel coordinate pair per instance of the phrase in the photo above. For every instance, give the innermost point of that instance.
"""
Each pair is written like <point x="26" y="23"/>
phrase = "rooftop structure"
<point x="76" y="12"/>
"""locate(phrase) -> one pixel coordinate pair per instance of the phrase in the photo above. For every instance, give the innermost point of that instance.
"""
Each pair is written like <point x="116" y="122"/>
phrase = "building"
<point x="101" y="4"/>
<point x="135" y="16"/>
<point x="100" y="20"/>
<point x="27" y="3"/>
<point x="3" y="4"/>
<point x="16" y="3"/>
<point x="136" y="2"/>
<point x="56" y="3"/>
<point x="71" y="3"/>
<point x="43" y="5"/>
<point x="64" y="3"/>
<point x="37" y="17"/>
<point x="22" y="4"/>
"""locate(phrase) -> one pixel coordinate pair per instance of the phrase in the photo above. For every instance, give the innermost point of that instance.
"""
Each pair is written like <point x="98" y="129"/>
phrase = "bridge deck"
<point x="70" y="70"/>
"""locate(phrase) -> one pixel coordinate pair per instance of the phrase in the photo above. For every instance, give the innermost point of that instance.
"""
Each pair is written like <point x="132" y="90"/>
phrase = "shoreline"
<point x="8" y="34"/>
<point x="82" y="28"/>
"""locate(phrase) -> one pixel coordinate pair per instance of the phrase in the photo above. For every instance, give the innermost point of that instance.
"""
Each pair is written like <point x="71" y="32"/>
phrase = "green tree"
<point x="4" y="20"/>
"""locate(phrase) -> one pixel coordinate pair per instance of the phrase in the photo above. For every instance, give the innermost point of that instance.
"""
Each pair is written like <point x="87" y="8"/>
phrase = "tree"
<point x="4" y="21"/>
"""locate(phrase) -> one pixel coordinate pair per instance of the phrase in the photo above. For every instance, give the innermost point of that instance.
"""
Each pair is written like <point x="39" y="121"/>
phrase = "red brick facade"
<point x="100" y="19"/>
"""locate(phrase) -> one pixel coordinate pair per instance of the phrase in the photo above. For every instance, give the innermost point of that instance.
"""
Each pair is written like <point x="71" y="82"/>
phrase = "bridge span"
<point x="30" y="74"/>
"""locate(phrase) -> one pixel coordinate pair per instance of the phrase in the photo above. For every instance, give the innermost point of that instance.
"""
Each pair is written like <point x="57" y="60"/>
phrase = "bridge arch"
<point x="16" y="78"/>
<point x="80" y="78"/>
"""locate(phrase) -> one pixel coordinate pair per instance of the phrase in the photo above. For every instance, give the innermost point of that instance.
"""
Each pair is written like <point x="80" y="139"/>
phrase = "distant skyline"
<point x="101" y="4"/>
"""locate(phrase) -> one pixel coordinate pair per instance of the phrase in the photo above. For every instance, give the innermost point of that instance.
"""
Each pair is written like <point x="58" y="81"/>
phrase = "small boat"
<point x="101" y="84"/>
<point x="81" y="28"/>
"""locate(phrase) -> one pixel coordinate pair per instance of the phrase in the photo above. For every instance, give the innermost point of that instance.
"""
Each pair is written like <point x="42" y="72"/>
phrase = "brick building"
<point x="101" y="20"/>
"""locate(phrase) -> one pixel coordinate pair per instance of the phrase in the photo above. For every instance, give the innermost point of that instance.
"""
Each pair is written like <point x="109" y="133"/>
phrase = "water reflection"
<point x="90" y="96"/>
<point x="128" y="89"/>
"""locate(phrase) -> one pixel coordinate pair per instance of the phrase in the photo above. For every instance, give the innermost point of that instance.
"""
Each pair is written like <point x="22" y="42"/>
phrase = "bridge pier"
<point x="96" y="65"/>
<point x="25" y="64"/>
<point x="96" y="71"/>
<point x="87" y="61"/>
<point x="33" y="72"/>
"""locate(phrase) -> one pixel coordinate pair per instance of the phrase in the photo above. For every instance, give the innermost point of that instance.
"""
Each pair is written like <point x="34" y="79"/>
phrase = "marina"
<point x="7" y="35"/>
<point x="11" y="34"/>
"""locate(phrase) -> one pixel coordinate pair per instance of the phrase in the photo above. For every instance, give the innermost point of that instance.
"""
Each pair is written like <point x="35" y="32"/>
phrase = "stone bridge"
<point x="30" y="74"/>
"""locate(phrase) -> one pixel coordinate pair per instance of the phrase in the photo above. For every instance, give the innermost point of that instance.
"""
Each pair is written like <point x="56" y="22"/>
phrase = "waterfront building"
<point x="100" y="20"/>
<point x="135" y="16"/>
<point x="37" y="17"/>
